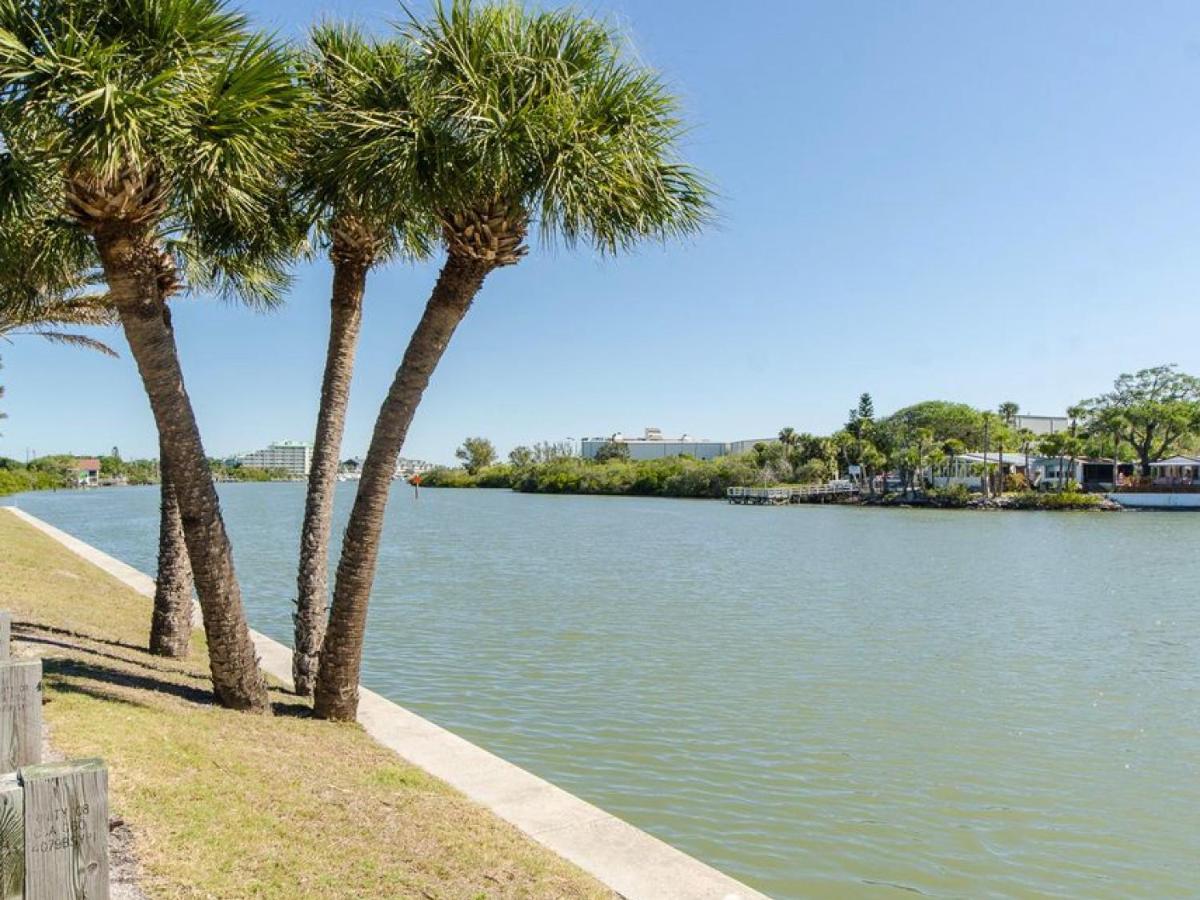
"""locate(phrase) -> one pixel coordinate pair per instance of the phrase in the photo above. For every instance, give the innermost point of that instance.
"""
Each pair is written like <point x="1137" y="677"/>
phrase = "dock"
<point x="782" y="496"/>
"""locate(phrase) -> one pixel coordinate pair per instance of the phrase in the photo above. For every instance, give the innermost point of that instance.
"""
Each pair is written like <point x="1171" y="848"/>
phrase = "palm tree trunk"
<point x="131" y="268"/>
<point x="312" y="582"/>
<point x="341" y="657"/>
<point x="171" y="623"/>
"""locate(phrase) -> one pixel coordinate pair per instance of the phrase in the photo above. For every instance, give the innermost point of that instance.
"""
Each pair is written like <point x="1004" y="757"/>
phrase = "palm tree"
<point x="1075" y="413"/>
<point x="361" y="230"/>
<point x="161" y="127"/>
<point x="47" y="281"/>
<point x="1008" y="411"/>
<point x="1026" y="439"/>
<point x="506" y="115"/>
<point x="789" y="439"/>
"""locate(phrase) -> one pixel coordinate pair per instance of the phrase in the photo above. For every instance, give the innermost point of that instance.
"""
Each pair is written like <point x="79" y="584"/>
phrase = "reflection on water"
<point x="820" y="701"/>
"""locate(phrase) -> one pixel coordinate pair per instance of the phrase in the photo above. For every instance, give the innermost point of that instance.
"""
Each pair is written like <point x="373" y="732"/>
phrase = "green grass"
<point x="225" y="805"/>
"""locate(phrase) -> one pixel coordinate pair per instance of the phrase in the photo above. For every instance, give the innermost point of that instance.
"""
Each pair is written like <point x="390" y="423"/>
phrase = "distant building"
<point x="1042" y="424"/>
<point x="87" y="471"/>
<point x="407" y="468"/>
<point x="653" y="445"/>
<point x="293" y="457"/>
<point x="351" y="469"/>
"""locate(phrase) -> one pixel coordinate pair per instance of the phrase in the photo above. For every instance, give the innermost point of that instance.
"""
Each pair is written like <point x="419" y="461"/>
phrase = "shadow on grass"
<point x="141" y="659"/>
<point x="21" y="629"/>
<point x="84" y="689"/>
<point x="290" y="708"/>
<point x="75" y="668"/>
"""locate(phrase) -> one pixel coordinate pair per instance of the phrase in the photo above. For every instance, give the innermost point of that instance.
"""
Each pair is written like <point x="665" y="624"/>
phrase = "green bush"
<point x="1055" y="500"/>
<point x="497" y="476"/>
<point x="447" y="477"/>
<point x="16" y="480"/>
<point x="955" y="496"/>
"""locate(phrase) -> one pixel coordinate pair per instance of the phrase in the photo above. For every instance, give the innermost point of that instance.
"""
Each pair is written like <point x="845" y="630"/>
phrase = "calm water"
<point x="820" y="701"/>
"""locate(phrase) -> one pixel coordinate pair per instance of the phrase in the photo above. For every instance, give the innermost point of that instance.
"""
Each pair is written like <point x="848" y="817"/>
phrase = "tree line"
<point x="1147" y="416"/>
<point x="150" y="149"/>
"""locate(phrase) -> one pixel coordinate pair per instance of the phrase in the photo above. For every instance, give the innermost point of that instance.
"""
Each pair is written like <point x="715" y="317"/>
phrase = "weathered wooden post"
<point x="66" y="830"/>
<point x="5" y="633"/>
<point x="12" y="838"/>
<point x="20" y="713"/>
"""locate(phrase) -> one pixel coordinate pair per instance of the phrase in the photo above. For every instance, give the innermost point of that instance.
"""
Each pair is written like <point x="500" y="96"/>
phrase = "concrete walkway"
<point x="627" y="859"/>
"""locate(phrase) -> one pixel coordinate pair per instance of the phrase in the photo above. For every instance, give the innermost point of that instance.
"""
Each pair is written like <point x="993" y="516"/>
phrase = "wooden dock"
<point x="782" y="496"/>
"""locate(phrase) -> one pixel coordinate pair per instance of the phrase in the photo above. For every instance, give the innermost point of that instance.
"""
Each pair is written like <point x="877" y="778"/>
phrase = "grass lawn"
<point x="226" y="805"/>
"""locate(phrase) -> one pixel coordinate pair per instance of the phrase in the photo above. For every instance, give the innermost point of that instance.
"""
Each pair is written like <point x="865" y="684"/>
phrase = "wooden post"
<point x="66" y="830"/>
<point x="12" y="838"/>
<point x="20" y="713"/>
<point x="5" y="634"/>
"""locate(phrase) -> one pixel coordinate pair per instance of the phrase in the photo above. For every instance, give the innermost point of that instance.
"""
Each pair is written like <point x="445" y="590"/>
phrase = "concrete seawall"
<point x="630" y="861"/>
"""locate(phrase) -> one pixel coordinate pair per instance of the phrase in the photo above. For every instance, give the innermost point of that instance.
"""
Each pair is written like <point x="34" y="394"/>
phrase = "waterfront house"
<point x="1176" y="471"/>
<point x="87" y="471"/>
<point x="967" y="469"/>
<point x="1091" y="474"/>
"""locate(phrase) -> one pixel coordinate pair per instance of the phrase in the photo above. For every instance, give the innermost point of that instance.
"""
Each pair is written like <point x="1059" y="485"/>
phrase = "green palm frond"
<point x="180" y="95"/>
<point x="72" y="340"/>
<point x="347" y="74"/>
<point x="542" y="109"/>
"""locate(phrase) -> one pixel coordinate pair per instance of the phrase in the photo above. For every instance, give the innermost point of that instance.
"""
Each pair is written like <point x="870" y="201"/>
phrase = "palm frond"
<point x="75" y="340"/>
<point x="545" y="111"/>
<point x="178" y="95"/>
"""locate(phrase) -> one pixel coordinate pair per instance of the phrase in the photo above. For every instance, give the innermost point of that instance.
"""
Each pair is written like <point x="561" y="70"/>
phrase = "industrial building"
<point x="653" y="445"/>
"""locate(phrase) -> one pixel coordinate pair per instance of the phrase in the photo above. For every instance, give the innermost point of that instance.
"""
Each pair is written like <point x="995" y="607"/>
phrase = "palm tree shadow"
<point x="81" y="670"/>
<point x="141" y="662"/>
<point x="23" y="631"/>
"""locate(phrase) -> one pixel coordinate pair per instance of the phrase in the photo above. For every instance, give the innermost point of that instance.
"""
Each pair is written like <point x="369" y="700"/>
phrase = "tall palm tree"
<point x="344" y="71"/>
<point x="47" y="281"/>
<point x="160" y="127"/>
<point x="1008" y="411"/>
<point x="507" y="115"/>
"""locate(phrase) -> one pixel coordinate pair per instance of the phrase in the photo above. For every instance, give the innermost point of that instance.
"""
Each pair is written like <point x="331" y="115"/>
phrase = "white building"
<point x="293" y="457"/>
<point x="407" y="468"/>
<point x="653" y="445"/>
<point x="1042" y="424"/>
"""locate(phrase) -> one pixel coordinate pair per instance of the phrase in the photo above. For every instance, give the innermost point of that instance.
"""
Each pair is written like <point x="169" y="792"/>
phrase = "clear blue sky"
<point x="969" y="201"/>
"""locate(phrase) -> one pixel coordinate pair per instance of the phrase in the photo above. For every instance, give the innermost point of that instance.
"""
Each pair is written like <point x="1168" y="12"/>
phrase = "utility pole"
<point x="987" y="487"/>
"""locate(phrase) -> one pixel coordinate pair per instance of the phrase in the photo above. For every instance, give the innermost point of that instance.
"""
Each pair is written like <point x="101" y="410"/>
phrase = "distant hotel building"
<point x="293" y="457"/>
<point x="652" y="445"/>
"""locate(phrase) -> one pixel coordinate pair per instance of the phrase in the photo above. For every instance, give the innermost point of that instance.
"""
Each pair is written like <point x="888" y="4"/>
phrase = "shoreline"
<point x="625" y="859"/>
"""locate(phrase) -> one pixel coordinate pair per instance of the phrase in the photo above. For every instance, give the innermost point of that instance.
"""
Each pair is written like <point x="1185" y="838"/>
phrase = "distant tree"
<point x="1062" y="446"/>
<point x="944" y="419"/>
<point x="814" y="471"/>
<point x="476" y="453"/>
<point x="1156" y="411"/>
<point x="1026" y="440"/>
<point x="549" y="451"/>
<point x="612" y="450"/>
<point x="866" y="407"/>
<point x="1074" y="415"/>
<point x="789" y="438"/>
<point x="520" y="456"/>
<point x="1008" y="411"/>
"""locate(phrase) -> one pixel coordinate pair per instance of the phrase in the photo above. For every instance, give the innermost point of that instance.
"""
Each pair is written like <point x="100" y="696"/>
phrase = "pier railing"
<point x="779" y="496"/>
